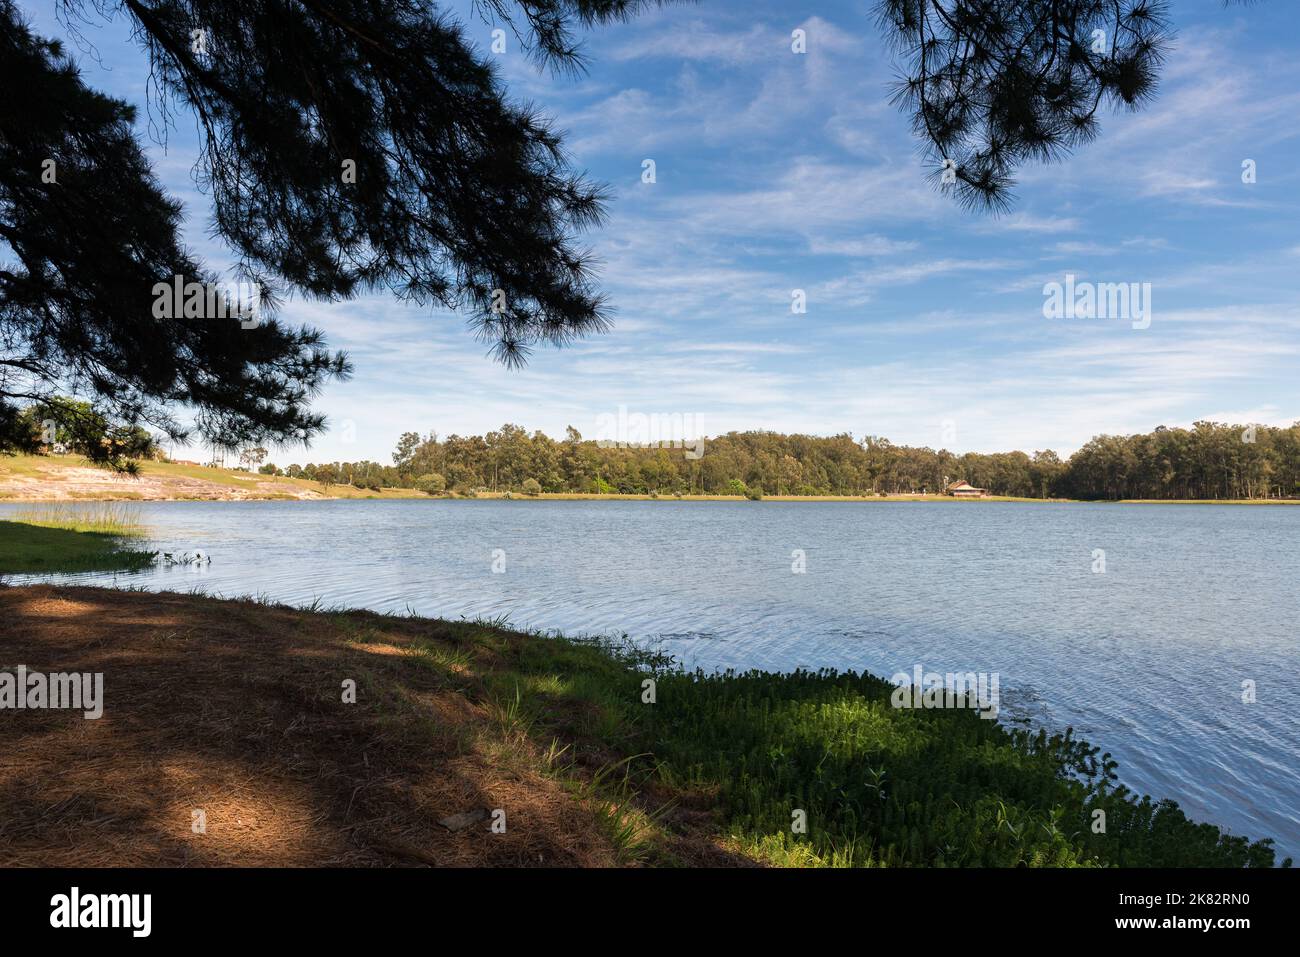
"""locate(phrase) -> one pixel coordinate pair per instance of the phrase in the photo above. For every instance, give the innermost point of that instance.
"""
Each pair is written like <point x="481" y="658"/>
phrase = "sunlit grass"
<point x="874" y="785"/>
<point x="100" y="518"/>
<point x="40" y="549"/>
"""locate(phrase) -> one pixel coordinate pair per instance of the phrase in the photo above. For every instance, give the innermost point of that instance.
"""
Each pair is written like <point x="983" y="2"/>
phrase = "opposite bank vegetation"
<point x="1212" y="461"/>
<point x="27" y="479"/>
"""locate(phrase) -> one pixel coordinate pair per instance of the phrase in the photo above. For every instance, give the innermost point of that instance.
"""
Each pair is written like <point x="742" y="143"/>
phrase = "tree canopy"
<point x="365" y="144"/>
<point x="90" y="233"/>
<point x="1212" y="460"/>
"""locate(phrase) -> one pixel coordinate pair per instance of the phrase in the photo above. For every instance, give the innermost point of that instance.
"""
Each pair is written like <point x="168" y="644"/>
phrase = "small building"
<point x="964" y="490"/>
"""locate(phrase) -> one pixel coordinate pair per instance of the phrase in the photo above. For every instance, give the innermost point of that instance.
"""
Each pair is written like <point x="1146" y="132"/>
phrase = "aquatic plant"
<point x="876" y="785"/>
<point x="103" y="518"/>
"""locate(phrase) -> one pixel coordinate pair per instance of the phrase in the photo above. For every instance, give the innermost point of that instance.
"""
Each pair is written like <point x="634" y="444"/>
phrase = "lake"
<point x="1143" y="649"/>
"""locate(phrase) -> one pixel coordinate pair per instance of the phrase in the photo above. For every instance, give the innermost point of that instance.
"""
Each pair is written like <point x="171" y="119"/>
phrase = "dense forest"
<point x="1209" y="461"/>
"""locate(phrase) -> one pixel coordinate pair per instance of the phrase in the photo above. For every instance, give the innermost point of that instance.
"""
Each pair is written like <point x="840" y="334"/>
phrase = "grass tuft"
<point x="69" y="539"/>
<point x="100" y="518"/>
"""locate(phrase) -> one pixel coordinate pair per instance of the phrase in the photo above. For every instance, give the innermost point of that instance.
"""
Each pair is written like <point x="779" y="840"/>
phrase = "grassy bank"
<point x="66" y="539"/>
<point x="69" y="478"/>
<point x="235" y="709"/>
<point x="100" y="518"/>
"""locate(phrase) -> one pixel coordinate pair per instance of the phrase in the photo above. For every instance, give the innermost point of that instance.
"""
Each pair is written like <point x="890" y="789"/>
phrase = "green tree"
<point x="75" y="426"/>
<point x="407" y="443"/>
<point x="431" y="483"/>
<point x="90" y="234"/>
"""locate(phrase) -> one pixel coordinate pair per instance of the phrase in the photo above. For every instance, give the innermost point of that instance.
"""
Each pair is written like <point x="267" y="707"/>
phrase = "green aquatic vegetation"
<point x="34" y="549"/>
<point x="876" y="785"/>
<point x="79" y="537"/>
<point x="102" y="518"/>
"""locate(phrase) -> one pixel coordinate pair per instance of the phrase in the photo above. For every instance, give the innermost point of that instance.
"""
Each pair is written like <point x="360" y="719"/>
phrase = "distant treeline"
<point x="1209" y="461"/>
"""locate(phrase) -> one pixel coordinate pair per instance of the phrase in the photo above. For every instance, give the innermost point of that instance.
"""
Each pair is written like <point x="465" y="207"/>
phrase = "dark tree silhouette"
<point x="347" y="146"/>
<point x="360" y="144"/>
<point x="89" y="234"/>
<point x="992" y="84"/>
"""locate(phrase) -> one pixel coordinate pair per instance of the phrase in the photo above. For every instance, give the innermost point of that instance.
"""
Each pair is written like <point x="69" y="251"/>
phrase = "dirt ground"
<point x="76" y="483"/>
<point x="235" y="710"/>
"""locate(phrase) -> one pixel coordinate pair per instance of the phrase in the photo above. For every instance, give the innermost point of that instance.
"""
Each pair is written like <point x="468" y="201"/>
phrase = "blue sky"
<point x="778" y="171"/>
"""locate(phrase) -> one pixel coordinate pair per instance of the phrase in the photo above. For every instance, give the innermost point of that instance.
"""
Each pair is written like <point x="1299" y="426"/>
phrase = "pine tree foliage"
<point x="89" y="233"/>
<point x="993" y="84"/>
<point x="369" y="144"/>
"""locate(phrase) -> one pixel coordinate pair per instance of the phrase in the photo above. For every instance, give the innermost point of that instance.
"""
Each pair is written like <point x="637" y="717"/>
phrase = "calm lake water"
<point x="1146" y="659"/>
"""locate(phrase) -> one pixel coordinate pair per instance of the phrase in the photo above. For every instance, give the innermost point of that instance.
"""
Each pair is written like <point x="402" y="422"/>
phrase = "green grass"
<point x="230" y="478"/>
<point x="53" y="470"/>
<point x="32" y="466"/>
<point x="879" y="786"/>
<point x="102" y="518"/>
<point x="34" y="549"/>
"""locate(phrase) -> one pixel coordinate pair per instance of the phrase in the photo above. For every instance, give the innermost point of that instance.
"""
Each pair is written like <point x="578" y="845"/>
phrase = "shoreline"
<point x="68" y="479"/>
<point x="343" y="737"/>
<point x="392" y="495"/>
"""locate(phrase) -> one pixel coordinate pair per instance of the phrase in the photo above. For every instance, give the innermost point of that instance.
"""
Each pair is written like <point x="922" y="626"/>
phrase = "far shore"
<point x="68" y="479"/>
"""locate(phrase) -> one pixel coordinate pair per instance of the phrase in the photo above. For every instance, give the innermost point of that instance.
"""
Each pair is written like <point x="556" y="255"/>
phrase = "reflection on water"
<point x="1147" y="659"/>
